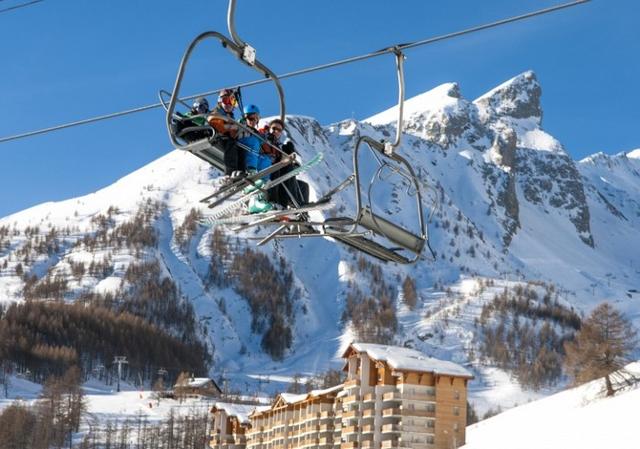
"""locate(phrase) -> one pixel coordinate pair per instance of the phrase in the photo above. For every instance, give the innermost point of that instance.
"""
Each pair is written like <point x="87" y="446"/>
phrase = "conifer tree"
<point x="601" y="349"/>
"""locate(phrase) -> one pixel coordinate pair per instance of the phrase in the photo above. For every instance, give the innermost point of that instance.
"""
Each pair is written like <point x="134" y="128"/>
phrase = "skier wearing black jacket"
<point x="299" y="190"/>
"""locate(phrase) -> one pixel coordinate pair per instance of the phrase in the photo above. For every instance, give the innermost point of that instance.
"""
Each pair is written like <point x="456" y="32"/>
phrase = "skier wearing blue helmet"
<point x="256" y="160"/>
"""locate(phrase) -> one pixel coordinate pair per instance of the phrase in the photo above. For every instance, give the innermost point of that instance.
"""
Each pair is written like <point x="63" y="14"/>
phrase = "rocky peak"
<point x="517" y="98"/>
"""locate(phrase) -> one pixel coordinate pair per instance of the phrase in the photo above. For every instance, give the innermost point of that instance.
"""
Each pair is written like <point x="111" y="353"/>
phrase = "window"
<point x="430" y="439"/>
<point x="456" y="411"/>
<point x="431" y="424"/>
<point x="456" y="427"/>
<point x="456" y="394"/>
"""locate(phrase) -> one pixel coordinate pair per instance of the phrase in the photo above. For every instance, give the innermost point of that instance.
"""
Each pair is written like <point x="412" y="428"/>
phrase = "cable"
<point x="305" y="71"/>
<point x="22" y="5"/>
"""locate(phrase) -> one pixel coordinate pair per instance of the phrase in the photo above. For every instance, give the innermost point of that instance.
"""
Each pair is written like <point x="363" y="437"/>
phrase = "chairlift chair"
<point x="209" y="149"/>
<point x="365" y="229"/>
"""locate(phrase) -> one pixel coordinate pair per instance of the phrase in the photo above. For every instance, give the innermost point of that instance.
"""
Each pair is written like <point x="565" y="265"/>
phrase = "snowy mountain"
<point x="509" y="207"/>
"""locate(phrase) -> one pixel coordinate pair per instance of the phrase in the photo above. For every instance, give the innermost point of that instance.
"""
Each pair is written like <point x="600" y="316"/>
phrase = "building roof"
<point x="406" y="359"/>
<point x="198" y="382"/>
<point x="240" y="411"/>
<point x="291" y="398"/>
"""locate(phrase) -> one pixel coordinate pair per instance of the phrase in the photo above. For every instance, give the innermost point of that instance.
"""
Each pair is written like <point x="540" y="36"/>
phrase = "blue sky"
<point x="64" y="60"/>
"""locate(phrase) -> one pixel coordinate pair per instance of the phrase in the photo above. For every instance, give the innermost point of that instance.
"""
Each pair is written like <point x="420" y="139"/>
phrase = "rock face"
<point x="518" y="98"/>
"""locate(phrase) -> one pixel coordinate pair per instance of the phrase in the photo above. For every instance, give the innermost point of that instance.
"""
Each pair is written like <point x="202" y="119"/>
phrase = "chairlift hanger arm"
<point x="183" y="63"/>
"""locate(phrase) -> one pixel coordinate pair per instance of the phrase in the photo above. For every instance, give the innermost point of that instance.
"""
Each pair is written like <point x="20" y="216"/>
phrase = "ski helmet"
<point x="251" y="109"/>
<point x="200" y="105"/>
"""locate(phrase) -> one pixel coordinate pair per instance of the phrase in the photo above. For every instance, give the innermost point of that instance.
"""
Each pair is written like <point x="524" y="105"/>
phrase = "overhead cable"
<point x="21" y="5"/>
<point x="391" y="49"/>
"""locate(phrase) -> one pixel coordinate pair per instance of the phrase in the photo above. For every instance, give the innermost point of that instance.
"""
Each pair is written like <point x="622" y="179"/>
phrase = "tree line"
<point x="46" y="338"/>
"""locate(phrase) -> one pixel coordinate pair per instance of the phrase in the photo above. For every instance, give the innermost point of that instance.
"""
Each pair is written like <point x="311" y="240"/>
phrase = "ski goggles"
<point x="276" y="129"/>
<point x="228" y="100"/>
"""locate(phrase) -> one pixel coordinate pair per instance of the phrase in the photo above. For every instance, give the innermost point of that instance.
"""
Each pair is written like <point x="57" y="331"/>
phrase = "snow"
<point x="577" y="418"/>
<point x="241" y="411"/>
<point x="409" y="359"/>
<point x="197" y="382"/>
<point x="434" y="99"/>
<point x="291" y="398"/>
<point x="635" y="154"/>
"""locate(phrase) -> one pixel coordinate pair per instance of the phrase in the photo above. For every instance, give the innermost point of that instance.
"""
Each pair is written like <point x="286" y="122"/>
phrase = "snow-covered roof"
<point x="197" y="382"/>
<point x="240" y="411"/>
<point x="291" y="398"/>
<point x="405" y="359"/>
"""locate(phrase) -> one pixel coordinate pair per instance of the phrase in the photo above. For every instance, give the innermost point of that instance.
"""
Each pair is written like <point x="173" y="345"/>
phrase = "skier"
<point x="299" y="190"/>
<point x="257" y="159"/>
<point x="227" y="134"/>
<point x="195" y="118"/>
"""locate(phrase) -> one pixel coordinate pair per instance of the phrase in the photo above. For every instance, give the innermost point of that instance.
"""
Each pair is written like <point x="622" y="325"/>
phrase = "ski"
<point x="229" y="190"/>
<point x="255" y="219"/>
<point x="268" y="185"/>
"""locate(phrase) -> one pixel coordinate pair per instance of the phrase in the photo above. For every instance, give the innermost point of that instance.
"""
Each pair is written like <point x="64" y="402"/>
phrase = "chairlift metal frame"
<point x="358" y="231"/>
<point x="207" y="149"/>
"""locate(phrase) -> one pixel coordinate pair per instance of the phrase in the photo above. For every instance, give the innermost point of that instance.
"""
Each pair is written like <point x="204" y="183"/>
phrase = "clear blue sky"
<point x="64" y="60"/>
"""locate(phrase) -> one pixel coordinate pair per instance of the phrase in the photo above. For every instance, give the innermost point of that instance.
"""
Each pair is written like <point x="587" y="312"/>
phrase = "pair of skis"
<point x="221" y="215"/>
<point x="229" y="190"/>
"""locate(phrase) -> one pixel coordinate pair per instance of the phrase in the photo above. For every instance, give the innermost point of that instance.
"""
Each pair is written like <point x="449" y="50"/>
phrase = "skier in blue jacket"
<point x="256" y="159"/>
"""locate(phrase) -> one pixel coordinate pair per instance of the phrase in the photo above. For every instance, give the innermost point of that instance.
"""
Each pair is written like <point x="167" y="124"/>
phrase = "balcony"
<point x="391" y="412"/>
<point x="309" y="431"/>
<point x="369" y="397"/>
<point x="392" y="396"/>
<point x="367" y="444"/>
<point x="310" y="443"/>
<point x="391" y="428"/>
<point x="420" y="413"/>
<point x="369" y="413"/>
<point x="311" y="417"/>
<point x="390" y="444"/>
<point x="349" y="430"/>
<point x="350" y="399"/>
<point x="421" y="397"/>
<point x="349" y="445"/>
<point x="350" y="414"/>
<point x="326" y="415"/>
<point x="368" y="429"/>
<point x="325" y="441"/>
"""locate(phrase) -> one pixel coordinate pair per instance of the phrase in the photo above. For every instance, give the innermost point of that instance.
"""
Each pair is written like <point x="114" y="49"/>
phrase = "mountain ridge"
<point x="513" y="207"/>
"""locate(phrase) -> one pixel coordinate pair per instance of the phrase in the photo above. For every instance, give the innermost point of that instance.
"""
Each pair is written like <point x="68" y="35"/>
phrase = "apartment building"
<point x="393" y="397"/>
<point x="230" y="425"/>
<point x="397" y="397"/>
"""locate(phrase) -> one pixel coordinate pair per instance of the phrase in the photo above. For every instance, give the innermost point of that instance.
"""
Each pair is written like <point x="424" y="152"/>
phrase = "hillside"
<point x="510" y="208"/>
<point x="577" y="418"/>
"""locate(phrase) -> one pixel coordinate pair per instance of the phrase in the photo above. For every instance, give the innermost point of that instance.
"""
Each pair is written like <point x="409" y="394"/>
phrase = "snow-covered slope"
<point x="577" y="418"/>
<point x="511" y="205"/>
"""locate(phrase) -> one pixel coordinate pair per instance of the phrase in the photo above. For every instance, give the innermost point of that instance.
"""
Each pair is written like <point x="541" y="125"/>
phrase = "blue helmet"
<point x="251" y="109"/>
